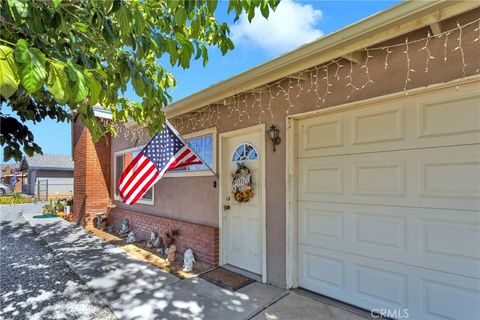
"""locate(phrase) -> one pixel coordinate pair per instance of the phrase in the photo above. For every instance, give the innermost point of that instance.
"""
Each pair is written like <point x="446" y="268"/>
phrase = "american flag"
<point x="166" y="151"/>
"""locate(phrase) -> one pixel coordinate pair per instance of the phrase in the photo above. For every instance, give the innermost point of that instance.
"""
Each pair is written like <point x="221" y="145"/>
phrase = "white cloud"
<point x="288" y="27"/>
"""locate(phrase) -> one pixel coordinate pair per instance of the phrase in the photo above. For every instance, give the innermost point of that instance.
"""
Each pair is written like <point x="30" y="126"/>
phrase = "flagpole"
<point x="191" y="149"/>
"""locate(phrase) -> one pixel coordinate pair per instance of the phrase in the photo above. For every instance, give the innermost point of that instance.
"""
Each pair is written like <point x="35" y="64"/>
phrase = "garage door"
<point x="388" y="205"/>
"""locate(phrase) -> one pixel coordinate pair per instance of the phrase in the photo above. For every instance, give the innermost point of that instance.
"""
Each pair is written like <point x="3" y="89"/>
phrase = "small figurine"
<point x="131" y="237"/>
<point x="171" y="253"/>
<point x="158" y="242"/>
<point x="124" y="227"/>
<point x="188" y="260"/>
<point x="103" y="225"/>
<point x="100" y="222"/>
<point x="153" y="239"/>
<point x="170" y="237"/>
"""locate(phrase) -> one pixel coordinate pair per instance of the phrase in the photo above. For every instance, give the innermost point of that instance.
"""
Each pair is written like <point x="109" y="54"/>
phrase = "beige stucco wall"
<point x="195" y="199"/>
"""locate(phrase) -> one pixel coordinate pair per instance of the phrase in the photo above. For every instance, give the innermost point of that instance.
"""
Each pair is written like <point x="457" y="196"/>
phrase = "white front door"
<point x="242" y="212"/>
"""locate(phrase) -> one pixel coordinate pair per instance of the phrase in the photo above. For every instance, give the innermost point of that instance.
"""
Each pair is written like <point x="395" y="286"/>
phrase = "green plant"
<point x="59" y="58"/>
<point x="14" y="200"/>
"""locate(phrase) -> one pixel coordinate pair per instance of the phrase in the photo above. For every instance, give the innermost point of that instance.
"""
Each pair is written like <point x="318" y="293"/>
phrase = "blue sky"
<point x="293" y="24"/>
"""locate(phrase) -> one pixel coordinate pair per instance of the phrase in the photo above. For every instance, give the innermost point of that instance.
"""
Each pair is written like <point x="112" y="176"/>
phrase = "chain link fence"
<point x="44" y="190"/>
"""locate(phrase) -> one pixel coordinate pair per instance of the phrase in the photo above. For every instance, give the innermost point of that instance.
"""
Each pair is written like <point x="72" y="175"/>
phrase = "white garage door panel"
<point x="447" y="177"/>
<point x="436" y="239"/>
<point x="389" y="204"/>
<point x="412" y="122"/>
<point x="373" y="283"/>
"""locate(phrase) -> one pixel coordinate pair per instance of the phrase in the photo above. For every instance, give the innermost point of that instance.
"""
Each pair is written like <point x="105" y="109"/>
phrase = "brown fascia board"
<point x="390" y="23"/>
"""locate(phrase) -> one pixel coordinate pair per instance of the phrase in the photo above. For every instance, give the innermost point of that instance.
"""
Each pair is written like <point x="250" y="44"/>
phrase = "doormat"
<point x="47" y="215"/>
<point x="226" y="279"/>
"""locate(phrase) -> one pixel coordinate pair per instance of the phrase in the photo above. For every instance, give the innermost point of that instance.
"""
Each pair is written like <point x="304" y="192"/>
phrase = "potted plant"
<point x="60" y="209"/>
<point x="68" y="207"/>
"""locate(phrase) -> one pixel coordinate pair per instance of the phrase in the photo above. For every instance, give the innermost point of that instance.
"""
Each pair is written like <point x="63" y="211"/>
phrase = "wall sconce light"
<point x="273" y="134"/>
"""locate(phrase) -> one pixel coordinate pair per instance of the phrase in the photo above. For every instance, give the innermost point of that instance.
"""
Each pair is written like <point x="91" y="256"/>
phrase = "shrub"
<point x="15" y="199"/>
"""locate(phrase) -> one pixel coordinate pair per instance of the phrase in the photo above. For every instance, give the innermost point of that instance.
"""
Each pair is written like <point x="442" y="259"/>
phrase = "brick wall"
<point x="91" y="174"/>
<point x="203" y="240"/>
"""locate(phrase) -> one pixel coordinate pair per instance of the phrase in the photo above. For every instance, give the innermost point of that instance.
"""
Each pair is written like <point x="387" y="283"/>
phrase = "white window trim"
<point x="199" y="173"/>
<point x="115" y="196"/>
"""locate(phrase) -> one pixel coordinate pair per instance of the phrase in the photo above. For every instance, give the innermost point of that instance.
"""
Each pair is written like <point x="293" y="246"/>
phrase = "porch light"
<point x="273" y="134"/>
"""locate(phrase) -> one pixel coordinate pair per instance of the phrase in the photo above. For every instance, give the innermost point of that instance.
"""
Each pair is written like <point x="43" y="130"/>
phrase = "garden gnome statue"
<point x="188" y="260"/>
<point x="131" y="237"/>
<point x="124" y="227"/>
<point x="153" y="239"/>
<point x="171" y="253"/>
<point x="158" y="242"/>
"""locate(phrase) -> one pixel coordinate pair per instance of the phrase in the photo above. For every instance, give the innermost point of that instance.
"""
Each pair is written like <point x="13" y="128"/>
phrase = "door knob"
<point x="226" y="207"/>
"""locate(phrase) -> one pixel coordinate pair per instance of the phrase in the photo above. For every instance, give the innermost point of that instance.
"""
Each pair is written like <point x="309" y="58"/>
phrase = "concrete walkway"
<point x="133" y="289"/>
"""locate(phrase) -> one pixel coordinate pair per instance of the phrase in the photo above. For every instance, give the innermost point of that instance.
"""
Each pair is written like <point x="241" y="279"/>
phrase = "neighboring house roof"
<point x="47" y="162"/>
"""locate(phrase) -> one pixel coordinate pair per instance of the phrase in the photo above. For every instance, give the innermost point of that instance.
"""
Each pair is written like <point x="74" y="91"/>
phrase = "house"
<point x="371" y="195"/>
<point x="49" y="175"/>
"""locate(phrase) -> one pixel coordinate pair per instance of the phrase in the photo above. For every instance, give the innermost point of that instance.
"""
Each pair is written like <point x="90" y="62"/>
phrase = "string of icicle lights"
<point x="256" y="104"/>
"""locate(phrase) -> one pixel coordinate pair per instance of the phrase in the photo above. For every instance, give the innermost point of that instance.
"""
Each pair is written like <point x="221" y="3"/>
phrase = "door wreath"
<point x="242" y="184"/>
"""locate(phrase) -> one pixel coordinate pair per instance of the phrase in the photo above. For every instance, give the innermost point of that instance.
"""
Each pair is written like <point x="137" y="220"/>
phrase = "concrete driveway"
<point x="133" y="289"/>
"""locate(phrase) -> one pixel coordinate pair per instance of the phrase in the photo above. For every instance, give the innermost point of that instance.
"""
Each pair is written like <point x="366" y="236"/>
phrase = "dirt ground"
<point x="140" y="250"/>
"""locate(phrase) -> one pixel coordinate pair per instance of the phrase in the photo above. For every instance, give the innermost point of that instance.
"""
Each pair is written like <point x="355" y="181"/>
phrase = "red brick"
<point x="203" y="240"/>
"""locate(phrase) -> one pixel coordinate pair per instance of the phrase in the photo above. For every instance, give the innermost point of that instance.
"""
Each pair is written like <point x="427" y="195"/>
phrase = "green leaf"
<point x="8" y="72"/>
<point x="180" y="16"/>
<point x="56" y="3"/>
<point x="138" y="85"/>
<point x="36" y="22"/>
<point x="212" y="5"/>
<point x="189" y="5"/>
<point x="95" y="89"/>
<point x="251" y="13"/>
<point x="32" y="66"/>
<point x="199" y="52"/>
<point x="107" y="31"/>
<point x="115" y="6"/>
<point x="19" y="9"/>
<point x="123" y="20"/>
<point x="57" y="82"/>
<point x="82" y="27"/>
<point x="195" y="28"/>
<point x="139" y="22"/>
<point x="80" y="88"/>
<point x="56" y="20"/>
<point x="264" y="10"/>
<point x="204" y="55"/>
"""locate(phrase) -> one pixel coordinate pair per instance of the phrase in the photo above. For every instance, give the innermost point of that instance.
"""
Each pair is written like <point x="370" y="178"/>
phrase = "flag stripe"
<point x="128" y="170"/>
<point x="177" y="160"/>
<point x="144" y="165"/>
<point x="149" y="182"/>
<point x="142" y="188"/>
<point x="130" y="177"/>
<point x="186" y="164"/>
<point x="140" y="178"/>
<point x="139" y="175"/>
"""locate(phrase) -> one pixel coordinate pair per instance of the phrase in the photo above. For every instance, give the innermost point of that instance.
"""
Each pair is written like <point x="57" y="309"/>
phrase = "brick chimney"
<point x="91" y="186"/>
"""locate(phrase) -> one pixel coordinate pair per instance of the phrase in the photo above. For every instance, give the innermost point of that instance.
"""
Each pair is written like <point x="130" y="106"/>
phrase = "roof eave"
<point x="395" y="21"/>
<point x="50" y="168"/>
